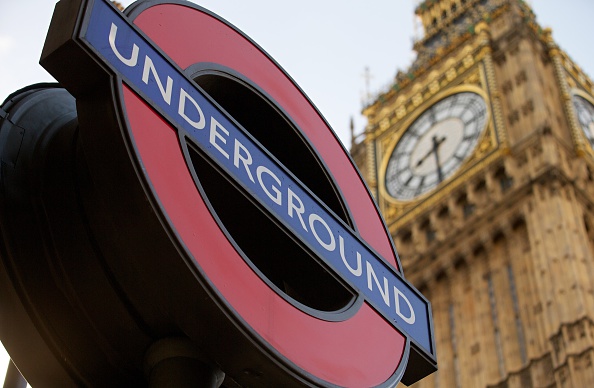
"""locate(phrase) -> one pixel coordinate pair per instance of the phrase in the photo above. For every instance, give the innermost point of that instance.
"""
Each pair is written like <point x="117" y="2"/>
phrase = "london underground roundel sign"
<point x="253" y="190"/>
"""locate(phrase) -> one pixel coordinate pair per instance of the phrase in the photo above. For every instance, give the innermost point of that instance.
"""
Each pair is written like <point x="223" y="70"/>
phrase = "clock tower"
<point x="480" y="156"/>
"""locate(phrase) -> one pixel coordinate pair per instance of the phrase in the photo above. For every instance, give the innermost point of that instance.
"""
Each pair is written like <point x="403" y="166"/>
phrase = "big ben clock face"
<point x="585" y="114"/>
<point x="436" y="145"/>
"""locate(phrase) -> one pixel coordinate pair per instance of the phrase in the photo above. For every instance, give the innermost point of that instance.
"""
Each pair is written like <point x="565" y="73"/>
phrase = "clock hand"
<point x="436" y="144"/>
<point x="434" y="150"/>
<point x="422" y="160"/>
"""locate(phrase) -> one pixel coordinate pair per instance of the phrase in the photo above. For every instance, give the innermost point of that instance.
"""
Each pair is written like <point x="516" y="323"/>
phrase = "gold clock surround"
<point x="588" y="148"/>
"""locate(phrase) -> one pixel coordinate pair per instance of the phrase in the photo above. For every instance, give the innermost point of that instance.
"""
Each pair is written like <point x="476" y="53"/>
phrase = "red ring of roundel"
<point x="363" y="350"/>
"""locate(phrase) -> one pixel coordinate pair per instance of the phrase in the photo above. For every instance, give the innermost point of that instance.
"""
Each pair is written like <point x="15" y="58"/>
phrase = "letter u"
<point x="359" y="270"/>
<point x="133" y="60"/>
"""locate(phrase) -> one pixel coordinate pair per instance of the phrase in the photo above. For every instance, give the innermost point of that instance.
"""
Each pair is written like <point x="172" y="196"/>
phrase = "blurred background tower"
<point x="480" y="157"/>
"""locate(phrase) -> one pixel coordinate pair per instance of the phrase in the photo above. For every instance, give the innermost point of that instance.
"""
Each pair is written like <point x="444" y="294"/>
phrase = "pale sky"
<point x="325" y="45"/>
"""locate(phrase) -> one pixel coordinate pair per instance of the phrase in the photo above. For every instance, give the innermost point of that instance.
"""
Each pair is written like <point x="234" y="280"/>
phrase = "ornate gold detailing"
<point x="451" y="74"/>
<point x="576" y="74"/>
<point x="426" y="61"/>
<point x="425" y="88"/>
<point x="490" y="80"/>
<point x="434" y="87"/>
<point x="468" y="61"/>
<point x="473" y="79"/>
<point x="560" y="75"/>
<point x="450" y="29"/>
<point x="481" y="27"/>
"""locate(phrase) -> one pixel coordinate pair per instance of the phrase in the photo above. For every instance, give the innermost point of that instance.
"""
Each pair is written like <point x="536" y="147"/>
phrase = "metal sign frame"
<point x="92" y="48"/>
